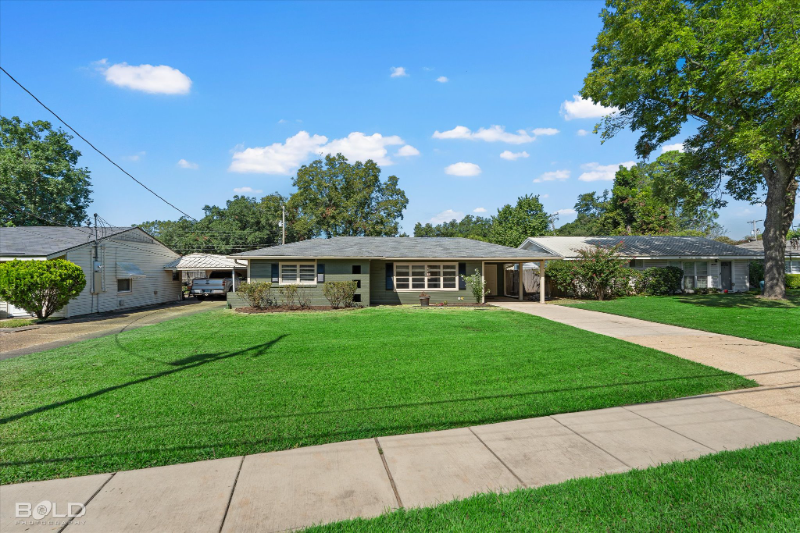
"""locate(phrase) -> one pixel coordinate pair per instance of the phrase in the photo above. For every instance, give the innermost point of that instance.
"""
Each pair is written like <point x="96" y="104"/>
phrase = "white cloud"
<point x="677" y="147"/>
<point x="285" y="158"/>
<point x="463" y="169"/>
<point x="187" y="164"/>
<point x="583" y="133"/>
<point x="135" y="157"/>
<point x="554" y="175"/>
<point x="407" y="151"/>
<point x="598" y="172"/>
<point x="479" y="210"/>
<point x="544" y="196"/>
<point x="442" y="79"/>
<point x="584" y="108"/>
<point x="493" y="134"/>
<point x="398" y="72"/>
<point x="565" y="212"/>
<point x="159" y="79"/>
<point x="246" y="190"/>
<point x="513" y="156"/>
<point x="447" y="216"/>
<point x="360" y="147"/>
<point x="278" y="158"/>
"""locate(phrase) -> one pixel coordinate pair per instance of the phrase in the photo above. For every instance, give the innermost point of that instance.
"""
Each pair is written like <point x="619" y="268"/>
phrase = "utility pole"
<point x="755" y="230"/>
<point x="283" y="224"/>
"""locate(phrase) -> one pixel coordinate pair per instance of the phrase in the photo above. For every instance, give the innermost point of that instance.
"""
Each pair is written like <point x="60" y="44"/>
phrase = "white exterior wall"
<point x="129" y="247"/>
<point x="740" y="272"/>
<point x="156" y="288"/>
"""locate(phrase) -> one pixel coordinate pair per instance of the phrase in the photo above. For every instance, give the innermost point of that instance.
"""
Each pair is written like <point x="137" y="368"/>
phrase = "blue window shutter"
<point x="462" y="271"/>
<point x="276" y="273"/>
<point x="389" y="276"/>
<point x="320" y="272"/>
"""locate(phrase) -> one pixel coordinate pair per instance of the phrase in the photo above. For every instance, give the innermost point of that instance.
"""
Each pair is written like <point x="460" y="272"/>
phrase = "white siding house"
<point x="706" y="264"/>
<point x="124" y="267"/>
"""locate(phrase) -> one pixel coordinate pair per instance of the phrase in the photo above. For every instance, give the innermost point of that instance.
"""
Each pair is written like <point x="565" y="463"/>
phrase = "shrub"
<point x="257" y="293"/>
<point x="793" y="281"/>
<point x="599" y="269"/>
<point x="340" y="293"/>
<point x="756" y="273"/>
<point x="565" y="276"/>
<point x="304" y="298"/>
<point x="477" y="285"/>
<point x="661" y="281"/>
<point x="289" y="294"/>
<point x="40" y="287"/>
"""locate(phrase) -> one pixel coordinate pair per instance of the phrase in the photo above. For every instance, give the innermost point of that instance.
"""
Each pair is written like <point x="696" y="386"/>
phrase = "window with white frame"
<point x="420" y="277"/>
<point x="695" y="275"/>
<point x="298" y="274"/>
<point x="793" y="266"/>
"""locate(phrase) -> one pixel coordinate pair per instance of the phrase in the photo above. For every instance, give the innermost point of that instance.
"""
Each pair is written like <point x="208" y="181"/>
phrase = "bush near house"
<point x="575" y="279"/>
<point x="660" y="281"/>
<point x="41" y="287"/>
<point x="756" y="273"/>
<point x="340" y="293"/>
<point x="257" y="293"/>
<point x="793" y="281"/>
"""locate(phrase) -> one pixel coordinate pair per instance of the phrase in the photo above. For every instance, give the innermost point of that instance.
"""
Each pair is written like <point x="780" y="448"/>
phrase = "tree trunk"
<point x="780" y="186"/>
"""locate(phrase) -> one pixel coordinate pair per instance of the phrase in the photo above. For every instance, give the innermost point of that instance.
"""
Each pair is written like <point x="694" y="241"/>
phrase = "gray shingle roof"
<point x="642" y="246"/>
<point x="397" y="248"/>
<point x="792" y="247"/>
<point x="40" y="241"/>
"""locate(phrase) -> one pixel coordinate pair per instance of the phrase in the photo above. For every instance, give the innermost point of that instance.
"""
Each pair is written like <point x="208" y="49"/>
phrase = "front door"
<point x="490" y="273"/>
<point x="725" y="275"/>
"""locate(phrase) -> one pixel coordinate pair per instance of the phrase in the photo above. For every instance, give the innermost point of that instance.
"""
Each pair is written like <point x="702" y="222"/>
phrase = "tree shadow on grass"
<point x="186" y="363"/>
<point x="738" y="301"/>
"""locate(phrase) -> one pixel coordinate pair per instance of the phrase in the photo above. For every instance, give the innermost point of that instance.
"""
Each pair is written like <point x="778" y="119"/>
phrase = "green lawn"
<point x="756" y="489"/>
<point x="220" y="384"/>
<point x="741" y="315"/>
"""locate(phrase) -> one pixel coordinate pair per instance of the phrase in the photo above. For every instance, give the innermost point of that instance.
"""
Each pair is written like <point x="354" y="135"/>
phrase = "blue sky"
<point x="200" y="99"/>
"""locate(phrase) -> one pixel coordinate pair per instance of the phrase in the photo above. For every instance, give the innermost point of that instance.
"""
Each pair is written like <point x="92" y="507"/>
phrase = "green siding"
<point x="380" y="296"/>
<point x="335" y="270"/>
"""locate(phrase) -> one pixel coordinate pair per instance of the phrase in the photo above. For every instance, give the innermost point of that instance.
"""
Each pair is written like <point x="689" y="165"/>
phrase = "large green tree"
<point x="515" y="223"/>
<point x="39" y="176"/>
<point x="470" y="227"/>
<point x="337" y="198"/>
<point x="244" y="223"/>
<point x="591" y="208"/>
<point x="732" y="68"/>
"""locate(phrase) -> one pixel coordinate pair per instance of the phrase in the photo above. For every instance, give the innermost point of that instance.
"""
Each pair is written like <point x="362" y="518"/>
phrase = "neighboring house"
<point x="203" y="265"/>
<point x="705" y="263"/>
<point x="792" y="253"/>
<point x="389" y="270"/>
<point x="124" y="268"/>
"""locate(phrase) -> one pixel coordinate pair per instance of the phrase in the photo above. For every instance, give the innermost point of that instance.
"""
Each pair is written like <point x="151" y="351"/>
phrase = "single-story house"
<point x="792" y="253"/>
<point x="203" y="265"/>
<point x="388" y="270"/>
<point x="706" y="263"/>
<point x="124" y="266"/>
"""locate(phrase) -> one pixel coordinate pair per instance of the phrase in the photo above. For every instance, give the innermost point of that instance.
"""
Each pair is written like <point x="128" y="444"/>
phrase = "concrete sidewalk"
<point x="318" y="484"/>
<point x="776" y="368"/>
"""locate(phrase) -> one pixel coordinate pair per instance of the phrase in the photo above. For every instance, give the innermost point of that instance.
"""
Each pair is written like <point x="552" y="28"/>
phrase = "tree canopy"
<point x="513" y="224"/>
<point x="40" y="180"/>
<point x="244" y="223"/>
<point x="732" y="68"/>
<point x="470" y="227"/>
<point x="337" y="198"/>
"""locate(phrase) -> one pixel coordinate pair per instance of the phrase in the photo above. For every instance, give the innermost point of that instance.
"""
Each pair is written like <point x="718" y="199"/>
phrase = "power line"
<point x="96" y="149"/>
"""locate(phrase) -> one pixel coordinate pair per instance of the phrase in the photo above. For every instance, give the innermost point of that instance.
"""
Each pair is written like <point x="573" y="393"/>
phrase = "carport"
<point x="503" y="279"/>
<point x="193" y="266"/>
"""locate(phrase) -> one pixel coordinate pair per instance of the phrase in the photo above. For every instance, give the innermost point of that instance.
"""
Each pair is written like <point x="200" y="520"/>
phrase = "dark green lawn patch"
<point x="220" y="384"/>
<point x="756" y="489"/>
<point x="740" y="315"/>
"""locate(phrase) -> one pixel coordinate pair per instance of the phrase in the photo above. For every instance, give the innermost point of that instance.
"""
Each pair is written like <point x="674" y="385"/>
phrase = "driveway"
<point x="38" y="338"/>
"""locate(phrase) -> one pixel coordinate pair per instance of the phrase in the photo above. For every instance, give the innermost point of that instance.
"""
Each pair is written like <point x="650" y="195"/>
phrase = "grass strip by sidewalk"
<point x="221" y="384"/>
<point x="755" y="489"/>
<point x="740" y="315"/>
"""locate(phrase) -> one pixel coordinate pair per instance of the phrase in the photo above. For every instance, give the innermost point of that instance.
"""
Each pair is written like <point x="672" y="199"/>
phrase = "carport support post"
<point x="521" y="284"/>
<point x="541" y="282"/>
